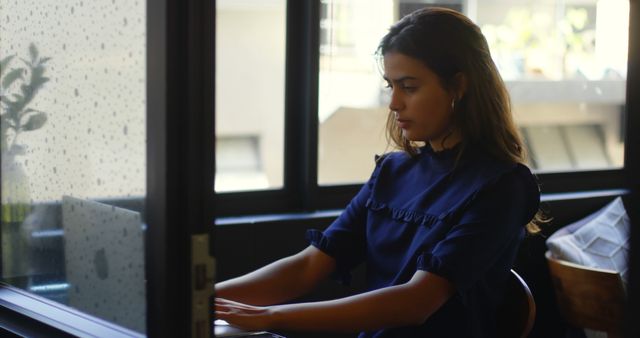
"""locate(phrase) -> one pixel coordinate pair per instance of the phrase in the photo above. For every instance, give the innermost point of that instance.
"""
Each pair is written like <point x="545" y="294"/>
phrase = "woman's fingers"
<point x="242" y="315"/>
<point x="222" y="308"/>
<point x="236" y="306"/>
<point x="242" y="320"/>
<point x="223" y="301"/>
<point x="231" y="307"/>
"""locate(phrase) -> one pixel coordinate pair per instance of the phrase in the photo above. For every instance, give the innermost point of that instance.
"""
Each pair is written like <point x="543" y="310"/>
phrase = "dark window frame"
<point x="301" y="192"/>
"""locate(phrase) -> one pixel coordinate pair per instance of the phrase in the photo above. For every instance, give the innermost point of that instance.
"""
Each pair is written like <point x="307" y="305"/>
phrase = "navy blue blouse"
<point x="461" y="221"/>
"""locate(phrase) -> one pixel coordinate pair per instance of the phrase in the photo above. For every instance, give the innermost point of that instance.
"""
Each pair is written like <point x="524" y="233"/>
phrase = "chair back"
<point x="517" y="312"/>
<point x="588" y="297"/>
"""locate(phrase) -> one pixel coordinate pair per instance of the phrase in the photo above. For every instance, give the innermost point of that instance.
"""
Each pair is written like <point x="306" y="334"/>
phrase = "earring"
<point x="453" y="105"/>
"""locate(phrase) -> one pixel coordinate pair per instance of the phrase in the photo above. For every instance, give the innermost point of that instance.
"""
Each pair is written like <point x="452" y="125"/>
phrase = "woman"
<point x="438" y="223"/>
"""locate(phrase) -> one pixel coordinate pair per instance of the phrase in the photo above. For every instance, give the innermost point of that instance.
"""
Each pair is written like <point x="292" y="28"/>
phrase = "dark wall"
<point x="243" y="247"/>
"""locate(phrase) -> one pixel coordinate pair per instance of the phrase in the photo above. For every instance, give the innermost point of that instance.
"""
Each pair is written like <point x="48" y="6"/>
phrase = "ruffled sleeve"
<point x="487" y="230"/>
<point x="345" y="239"/>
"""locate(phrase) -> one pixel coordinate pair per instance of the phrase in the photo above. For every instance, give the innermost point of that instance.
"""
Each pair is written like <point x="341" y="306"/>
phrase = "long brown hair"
<point x="449" y="43"/>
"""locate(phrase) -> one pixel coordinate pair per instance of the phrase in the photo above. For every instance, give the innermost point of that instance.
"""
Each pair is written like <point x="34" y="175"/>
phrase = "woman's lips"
<point x="404" y="124"/>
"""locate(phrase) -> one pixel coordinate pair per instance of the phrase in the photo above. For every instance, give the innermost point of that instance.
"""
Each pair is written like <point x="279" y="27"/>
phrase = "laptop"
<point x="104" y="258"/>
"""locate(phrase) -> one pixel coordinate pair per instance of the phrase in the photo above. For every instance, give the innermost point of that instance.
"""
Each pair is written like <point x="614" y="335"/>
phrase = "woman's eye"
<point x="403" y="87"/>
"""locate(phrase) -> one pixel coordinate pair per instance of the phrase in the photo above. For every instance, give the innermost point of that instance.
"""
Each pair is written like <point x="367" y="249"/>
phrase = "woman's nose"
<point x="395" y="103"/>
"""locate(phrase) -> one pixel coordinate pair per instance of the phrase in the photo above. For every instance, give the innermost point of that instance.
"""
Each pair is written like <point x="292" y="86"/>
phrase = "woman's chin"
<point x="412" y="136"/>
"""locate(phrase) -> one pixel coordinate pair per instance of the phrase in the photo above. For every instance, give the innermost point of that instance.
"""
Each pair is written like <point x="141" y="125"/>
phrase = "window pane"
<point x="250" y="60"/>
<point x="351" y="101"/>
<point x="74" y="153"/>
<point x="564" y="63"/>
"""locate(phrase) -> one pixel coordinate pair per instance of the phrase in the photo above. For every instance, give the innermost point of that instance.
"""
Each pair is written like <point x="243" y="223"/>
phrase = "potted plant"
<point x="20" y="81"/>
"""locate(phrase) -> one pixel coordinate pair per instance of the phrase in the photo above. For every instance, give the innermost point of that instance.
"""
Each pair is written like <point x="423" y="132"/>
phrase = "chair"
<point x="588" y="297"/>
<point x="517" y="312"/>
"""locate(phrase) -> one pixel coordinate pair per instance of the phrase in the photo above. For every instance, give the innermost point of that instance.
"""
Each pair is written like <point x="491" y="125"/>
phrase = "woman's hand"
<point x="244" y="316"/>
<point x="407" y="304"/>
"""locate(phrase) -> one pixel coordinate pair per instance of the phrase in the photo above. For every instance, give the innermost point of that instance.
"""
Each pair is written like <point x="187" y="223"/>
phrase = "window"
<point x="564" y="63"/>
<point x="250" y="59"/>
<point x="335" y="103"/>
<point x="74" y="154"/>
<point x="240" y="163"/>
<point x="351" y="99"/>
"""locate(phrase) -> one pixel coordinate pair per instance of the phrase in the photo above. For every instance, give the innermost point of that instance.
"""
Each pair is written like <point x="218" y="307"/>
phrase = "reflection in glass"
<point x="73" y="153"/>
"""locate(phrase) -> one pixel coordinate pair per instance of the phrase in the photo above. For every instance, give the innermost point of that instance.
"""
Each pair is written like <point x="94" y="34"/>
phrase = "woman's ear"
<point x="459" y="85"/>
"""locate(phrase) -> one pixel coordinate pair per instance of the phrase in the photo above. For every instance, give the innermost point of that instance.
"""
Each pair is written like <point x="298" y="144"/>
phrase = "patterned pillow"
<point x="600" y="240"/>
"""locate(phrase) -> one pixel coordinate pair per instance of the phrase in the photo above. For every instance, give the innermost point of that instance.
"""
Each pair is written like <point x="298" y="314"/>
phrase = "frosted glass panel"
<point x="73" y="153"/>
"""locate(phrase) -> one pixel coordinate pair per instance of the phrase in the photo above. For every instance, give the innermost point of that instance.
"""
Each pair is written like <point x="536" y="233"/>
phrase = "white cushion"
<point x="600" y="240"/>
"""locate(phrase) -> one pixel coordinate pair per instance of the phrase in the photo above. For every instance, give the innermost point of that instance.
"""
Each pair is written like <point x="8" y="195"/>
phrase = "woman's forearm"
<point x="403" y="305"/>
<point x="279" y="281"/>
<point x="272" y="284"/>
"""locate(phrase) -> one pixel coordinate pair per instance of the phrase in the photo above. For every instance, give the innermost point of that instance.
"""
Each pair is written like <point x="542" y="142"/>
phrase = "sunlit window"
<point x="564" y="63"/>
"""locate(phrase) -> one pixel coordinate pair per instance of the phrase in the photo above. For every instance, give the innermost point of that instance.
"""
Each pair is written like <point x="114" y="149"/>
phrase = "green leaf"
<point x="12" y="76"/>
<point x="43" y="60"/>
<point x="37" y="72"/>
<point x="35" y="121"/>
<point x="27" y="90"/>
<point x="10" y="104"/>
<point x="12" y="109"/>
<point x="36" y="84"/>
<point x="7" y="123"/>
<point x="4" y="63"/>
<point x="33" y="51"/>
